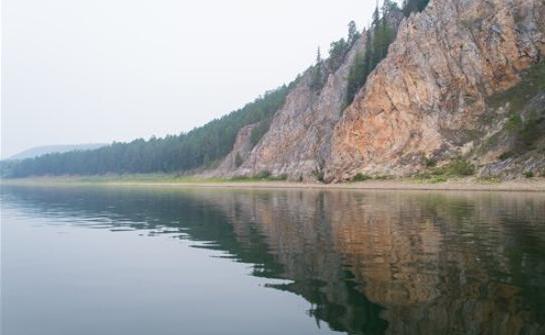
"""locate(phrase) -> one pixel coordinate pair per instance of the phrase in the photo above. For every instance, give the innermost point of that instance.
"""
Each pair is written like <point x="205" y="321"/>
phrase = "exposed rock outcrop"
<point x="428" y="100"/>
<point x="297" y="143"/>
<point x="241" y="150"/>
<point x="428" y="97"/>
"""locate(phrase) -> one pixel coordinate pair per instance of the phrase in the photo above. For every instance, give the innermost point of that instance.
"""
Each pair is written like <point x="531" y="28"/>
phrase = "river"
<point x="136" y="260"/>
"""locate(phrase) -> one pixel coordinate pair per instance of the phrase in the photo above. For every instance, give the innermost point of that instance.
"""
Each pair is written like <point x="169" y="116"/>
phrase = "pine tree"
<point x="388" y="6"/>
<point x="316" y="79"/>
<point x="411" y="6"/>
<point x="376" y="16"/>
<point x="352" y="32"/>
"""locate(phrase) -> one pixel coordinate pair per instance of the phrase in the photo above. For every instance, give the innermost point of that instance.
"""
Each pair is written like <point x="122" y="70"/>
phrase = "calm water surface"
<point x="158" y="261"/>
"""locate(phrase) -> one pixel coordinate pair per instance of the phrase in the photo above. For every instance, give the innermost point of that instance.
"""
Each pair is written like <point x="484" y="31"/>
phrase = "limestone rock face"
<point x="427" y="99"/>
<point x="297" y="143"/>
<point x="241" y="150"/>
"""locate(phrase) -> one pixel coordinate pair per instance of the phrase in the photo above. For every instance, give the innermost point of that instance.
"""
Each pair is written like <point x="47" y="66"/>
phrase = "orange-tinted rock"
<point x="427" y="98"/>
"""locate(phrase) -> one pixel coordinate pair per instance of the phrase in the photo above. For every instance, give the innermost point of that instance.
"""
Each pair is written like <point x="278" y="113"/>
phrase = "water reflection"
<point x="369" y="262"/>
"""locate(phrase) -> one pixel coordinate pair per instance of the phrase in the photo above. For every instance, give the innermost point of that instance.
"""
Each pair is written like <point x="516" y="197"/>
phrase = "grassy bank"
<point x="163" y="180"/>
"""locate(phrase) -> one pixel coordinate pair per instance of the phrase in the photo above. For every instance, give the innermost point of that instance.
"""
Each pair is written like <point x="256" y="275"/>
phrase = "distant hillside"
<point x="199" y="147"/>
<point x="49" y="149"/>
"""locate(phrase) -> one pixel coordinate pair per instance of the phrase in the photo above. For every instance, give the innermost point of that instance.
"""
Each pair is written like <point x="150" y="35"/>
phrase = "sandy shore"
<point x="468" y="184"/>
<point x="523" y="186"/>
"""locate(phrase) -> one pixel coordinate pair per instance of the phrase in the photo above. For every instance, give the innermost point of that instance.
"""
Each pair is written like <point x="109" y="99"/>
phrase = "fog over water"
<point x="98" y="71"/>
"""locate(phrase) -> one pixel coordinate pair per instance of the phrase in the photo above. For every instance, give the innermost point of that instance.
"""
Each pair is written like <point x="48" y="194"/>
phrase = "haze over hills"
<point x="435" y="87"/>
<point x="49" y="149"/>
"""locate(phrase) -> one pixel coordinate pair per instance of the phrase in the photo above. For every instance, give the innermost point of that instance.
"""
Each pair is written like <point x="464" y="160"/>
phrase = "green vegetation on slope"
<point x="337" y="54"/>
<point x="199" y="147"/>
<point x="412" y="6"/>
<point x="525" y="126"/>
<point x="379" y="37"/>
<point x="532" y="82"/>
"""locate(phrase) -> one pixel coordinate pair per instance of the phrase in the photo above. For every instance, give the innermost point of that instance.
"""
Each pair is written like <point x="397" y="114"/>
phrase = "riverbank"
<point x="458" y="184"/>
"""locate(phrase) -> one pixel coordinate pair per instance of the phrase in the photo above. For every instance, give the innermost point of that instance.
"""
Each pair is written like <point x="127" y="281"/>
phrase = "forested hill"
<point x="199" y="147"/>
<point x="205" y="146"/>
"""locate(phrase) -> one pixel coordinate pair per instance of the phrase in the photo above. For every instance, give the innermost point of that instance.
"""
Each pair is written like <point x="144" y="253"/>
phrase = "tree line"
<point x="201" y="146"/>
<point x="378" y="39"/>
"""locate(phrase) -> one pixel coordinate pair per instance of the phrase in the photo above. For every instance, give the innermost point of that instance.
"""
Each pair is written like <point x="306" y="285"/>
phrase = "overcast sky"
<point x="87" y="71"/>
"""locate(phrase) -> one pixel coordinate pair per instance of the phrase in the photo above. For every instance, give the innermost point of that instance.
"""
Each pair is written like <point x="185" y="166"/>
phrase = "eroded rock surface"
<point x="427" y="99"/>
<point x="241" y="150"/>
<point x="297" y="144"/>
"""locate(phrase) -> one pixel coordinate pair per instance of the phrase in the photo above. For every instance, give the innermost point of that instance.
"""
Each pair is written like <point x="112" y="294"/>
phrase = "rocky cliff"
<point x="241" y="150"/>
<point x="441" y="93"/>
<point x="297" y="144"/>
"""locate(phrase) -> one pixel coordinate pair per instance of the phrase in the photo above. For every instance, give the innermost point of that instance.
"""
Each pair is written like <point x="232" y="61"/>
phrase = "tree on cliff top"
<point x="379" y="37"/>
<point x="411" y="6"/>
<point x="353" y="33"/>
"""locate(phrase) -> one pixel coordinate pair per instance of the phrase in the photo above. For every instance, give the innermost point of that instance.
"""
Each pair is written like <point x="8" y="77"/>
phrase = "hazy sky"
<point x="83" y="71"/>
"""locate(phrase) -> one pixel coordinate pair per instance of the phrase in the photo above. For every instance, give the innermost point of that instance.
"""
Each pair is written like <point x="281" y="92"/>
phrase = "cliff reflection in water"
<point x="369" y="262"/>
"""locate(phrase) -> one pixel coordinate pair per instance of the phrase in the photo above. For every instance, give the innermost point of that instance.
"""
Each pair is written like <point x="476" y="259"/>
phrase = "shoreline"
<point x="462" y="184"/>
